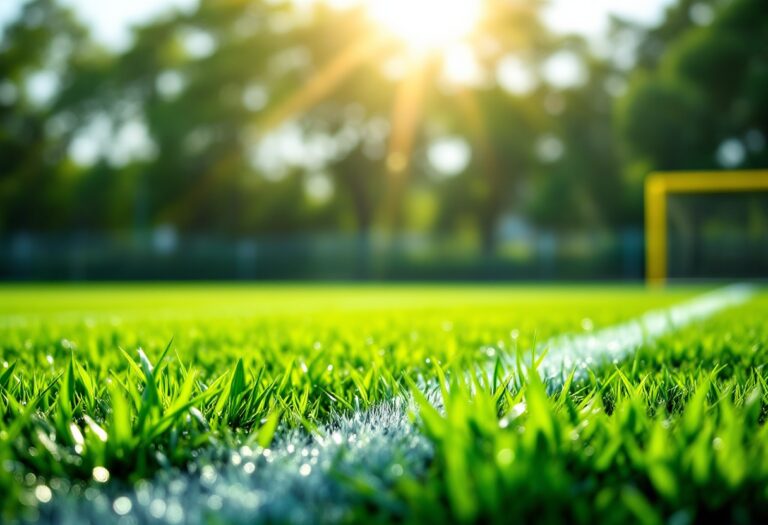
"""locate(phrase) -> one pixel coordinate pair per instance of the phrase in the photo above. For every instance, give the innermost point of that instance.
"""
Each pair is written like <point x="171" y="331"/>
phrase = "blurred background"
<point x="379" y="139"/>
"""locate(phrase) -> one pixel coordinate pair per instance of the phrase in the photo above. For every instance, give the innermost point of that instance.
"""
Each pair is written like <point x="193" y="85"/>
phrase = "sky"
<point x="111" y="20"/>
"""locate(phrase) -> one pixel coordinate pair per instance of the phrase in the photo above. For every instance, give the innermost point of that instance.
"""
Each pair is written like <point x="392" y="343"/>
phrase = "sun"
<point x="426" y="25"/>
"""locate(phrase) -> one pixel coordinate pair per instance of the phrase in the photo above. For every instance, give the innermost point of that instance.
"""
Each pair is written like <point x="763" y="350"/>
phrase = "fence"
<point x="165" y="255"/>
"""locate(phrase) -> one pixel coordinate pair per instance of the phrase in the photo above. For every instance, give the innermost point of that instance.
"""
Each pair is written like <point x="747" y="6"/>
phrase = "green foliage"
<point x="208" y="115"/>
<point x="209" y="112"/>
<point x="667" y="116"/>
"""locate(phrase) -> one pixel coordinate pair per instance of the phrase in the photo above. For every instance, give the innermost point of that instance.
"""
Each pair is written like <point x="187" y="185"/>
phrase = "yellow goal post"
<point x="659" y="185"/>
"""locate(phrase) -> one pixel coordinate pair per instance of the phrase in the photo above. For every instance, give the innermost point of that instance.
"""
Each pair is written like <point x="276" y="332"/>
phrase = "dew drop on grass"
<point x="100" y="474"/>
<point x="59" y="484"/>
<point x="122" y="506"/>
<point x="305" y="470"/>
<point x="43" y="493"/>
<point x="505" y="457"/>
<point x="517" y="410"/>
<point x="215" y="501"/>
<point x="157" y="508"/>
<point x="143" y="494"/>
<point x="175" y="514"/>
<point x="208" y="475"/>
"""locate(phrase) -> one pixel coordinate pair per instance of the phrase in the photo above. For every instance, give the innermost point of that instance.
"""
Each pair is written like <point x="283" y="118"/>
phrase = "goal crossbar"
<point x="659" y="185"/>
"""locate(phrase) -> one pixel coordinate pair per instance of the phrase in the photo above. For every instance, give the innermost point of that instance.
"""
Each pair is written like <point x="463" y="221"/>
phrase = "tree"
<point x="36" y="53"/>
<point x="705" y="103"/>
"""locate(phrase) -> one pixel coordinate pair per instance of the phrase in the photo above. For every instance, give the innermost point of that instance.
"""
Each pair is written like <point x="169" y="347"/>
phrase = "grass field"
<point x="211" y="404"/>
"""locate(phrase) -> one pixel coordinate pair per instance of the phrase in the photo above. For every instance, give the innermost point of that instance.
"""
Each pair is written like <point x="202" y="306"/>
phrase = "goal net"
<point x="706" y="225"/>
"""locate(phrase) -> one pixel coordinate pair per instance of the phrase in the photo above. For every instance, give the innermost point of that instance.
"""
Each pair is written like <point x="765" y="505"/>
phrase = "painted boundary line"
<point x="614" y="343"/>
<point x="307" y="478"/>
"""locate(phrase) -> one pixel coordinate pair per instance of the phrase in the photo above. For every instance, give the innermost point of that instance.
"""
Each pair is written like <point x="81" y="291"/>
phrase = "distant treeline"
<point x="265" y="118"/>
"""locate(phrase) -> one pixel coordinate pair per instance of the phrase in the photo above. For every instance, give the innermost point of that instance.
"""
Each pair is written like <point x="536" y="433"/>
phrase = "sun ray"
<point x="406" y="113"/>
<point x="322" y="83"/>
<point x="406" y="116"/>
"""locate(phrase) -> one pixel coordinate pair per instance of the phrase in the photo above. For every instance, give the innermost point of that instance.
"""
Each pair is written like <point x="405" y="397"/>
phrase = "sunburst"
<point x="427" y="25"/>
<point x="425" y="29"/>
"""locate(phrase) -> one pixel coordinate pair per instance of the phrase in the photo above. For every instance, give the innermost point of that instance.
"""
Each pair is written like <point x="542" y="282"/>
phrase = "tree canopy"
<point x="267" y="117"/>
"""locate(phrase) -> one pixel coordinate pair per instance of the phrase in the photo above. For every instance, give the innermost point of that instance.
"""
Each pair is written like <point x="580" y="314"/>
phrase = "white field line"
<point x="307" y="478"/>
<point x="613" y="344"/>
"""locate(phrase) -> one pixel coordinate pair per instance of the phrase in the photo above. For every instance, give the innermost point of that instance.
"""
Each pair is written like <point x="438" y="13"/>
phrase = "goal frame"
<point x="659" y="185"/>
